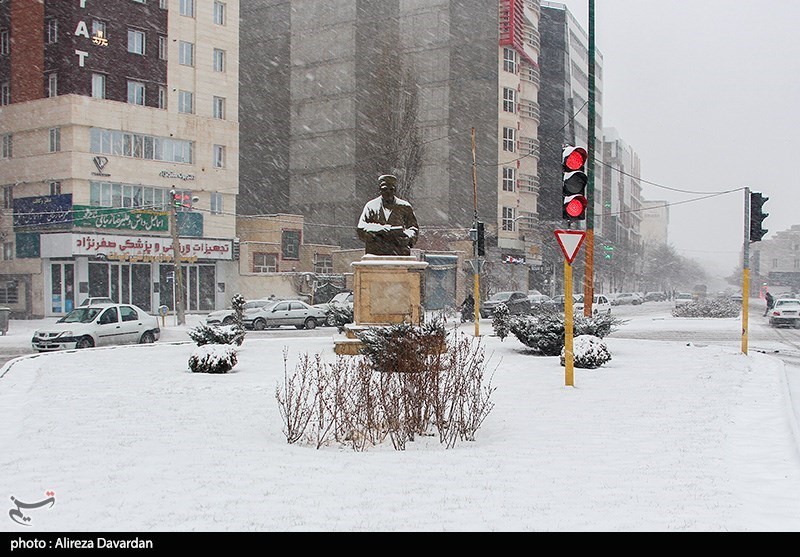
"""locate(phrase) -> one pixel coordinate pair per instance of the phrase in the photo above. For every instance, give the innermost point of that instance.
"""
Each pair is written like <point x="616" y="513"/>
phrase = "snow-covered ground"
<point x="666" y="436"/>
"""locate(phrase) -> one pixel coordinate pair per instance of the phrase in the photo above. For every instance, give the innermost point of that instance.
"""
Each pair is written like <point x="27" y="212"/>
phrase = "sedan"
<point x="285" y="312"/>
<point x="600" y="304"/>
<point x="228" y="316"/>
<point x="517" y="303"/>
<point x="98" y="325"/>
<point x="785" y="311"/>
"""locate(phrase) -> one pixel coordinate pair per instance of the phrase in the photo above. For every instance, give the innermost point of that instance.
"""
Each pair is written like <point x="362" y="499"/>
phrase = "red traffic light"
<point x="574" y="158"/>
<point x="575" y="206"/>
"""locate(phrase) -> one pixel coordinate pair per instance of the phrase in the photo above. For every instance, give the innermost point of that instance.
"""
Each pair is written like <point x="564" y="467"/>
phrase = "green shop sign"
<point x="120" y="218"/>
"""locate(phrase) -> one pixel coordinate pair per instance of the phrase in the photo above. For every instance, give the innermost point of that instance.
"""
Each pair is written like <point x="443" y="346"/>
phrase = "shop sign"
<point x="42" y="211"/>
<point x="121" y="218"/>
<point x="150" y="248"/>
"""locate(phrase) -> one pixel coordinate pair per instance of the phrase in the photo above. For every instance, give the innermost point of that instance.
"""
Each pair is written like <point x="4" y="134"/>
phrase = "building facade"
<point x="655" y="222"/>
<point x="107" y="109"/>
<point x="338" y="92"/>
<point x="775" y="263"/>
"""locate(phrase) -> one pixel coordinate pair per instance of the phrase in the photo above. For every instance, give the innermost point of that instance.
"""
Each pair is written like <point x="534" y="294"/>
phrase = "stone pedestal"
<point x="387" y="291"/>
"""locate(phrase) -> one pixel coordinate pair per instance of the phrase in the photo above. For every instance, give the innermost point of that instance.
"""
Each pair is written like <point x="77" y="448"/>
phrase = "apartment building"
<point x="106" y="109"/>
<point x="338" y="92"/>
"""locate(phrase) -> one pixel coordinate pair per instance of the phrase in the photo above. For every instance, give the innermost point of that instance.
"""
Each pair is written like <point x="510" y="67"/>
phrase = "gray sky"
<point x="706" y="92"/>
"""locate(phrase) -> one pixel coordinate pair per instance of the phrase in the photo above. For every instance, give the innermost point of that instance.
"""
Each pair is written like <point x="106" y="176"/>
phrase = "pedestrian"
<point x="770" y="301"/>
<point x="468" y="309"/>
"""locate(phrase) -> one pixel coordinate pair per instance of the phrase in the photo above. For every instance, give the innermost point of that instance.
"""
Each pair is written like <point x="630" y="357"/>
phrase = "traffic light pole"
<point x="746" y="271"/>
<point x="588" y="279"/>
<point x="176" y="258"/>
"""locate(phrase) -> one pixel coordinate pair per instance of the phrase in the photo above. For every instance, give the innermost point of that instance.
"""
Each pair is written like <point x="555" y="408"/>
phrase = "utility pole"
<point x="588" y="279"/>
<point x="746" y="270"/>
<point x="177" y="201"/>
<point x="477" y="262"/>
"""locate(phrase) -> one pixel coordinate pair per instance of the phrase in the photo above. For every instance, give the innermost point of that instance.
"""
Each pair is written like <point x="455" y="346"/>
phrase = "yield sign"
<point x="570" y="242"/>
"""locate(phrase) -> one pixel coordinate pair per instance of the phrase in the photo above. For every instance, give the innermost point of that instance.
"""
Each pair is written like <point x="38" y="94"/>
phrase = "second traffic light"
<point x="573" y="165"/>
<point x="757" y="216"/>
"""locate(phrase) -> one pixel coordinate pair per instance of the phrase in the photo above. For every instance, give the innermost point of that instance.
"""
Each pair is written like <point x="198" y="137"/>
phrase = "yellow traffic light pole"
<point x="569" y="375"/>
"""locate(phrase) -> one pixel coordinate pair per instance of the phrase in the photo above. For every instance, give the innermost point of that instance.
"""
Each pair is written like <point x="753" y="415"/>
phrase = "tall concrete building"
<point x="106" y="108"/>
<point x="338" y="92"/>
<point x="655" y="222"/>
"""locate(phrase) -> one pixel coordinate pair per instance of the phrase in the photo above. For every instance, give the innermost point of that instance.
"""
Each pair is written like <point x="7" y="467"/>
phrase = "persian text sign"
<point x="45" y="210"/>
<point x="149" y="248"/>
<point x="129" y="219"/>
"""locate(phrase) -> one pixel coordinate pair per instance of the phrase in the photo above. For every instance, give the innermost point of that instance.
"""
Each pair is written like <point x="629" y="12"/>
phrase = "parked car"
<point x="285" y="312"/>
<point x="655" y="297"/>
<point x="683" y="298"/>
<point x="627" y="298"/>
<point x="558" y="301"/>
<point x="785" y="311"/>
<point x="736" y="297"/>
<point x="540" y="300"/>
<point x="228" y="316"/>
<point x="600" y="305"/>
<point x="344" y="299"/>
<point x="91" y="301"/>
<point x="517" y="303"/>
<point x="98" y="325"/>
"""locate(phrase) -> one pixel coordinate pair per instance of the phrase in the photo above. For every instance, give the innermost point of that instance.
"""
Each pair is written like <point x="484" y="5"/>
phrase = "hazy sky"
<point x="706" y="93"/>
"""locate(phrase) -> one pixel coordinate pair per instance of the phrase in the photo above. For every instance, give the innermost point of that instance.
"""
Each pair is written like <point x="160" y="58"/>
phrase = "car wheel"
<point x="330" y="320"/>
<point x="772" y="322"/>
<point x="311" y="323"/>
<point x="84" y="342"/>
<point x="147" y="338"/>
<point x="228" y="320"/>
<point x="259" y="324"/>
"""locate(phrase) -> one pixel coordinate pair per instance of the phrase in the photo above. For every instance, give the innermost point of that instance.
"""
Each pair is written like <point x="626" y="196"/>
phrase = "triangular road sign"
<point x="570" y="242"/>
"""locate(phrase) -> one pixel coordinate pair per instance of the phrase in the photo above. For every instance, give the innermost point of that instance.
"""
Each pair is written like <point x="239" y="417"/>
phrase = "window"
<point x="55" y="140"/>
<point x="116" y="142"/>
<point x="4" y="43"/>
<point x="186" y="53"/>
<point x="510" y="60"/>
<point x="509" y="139"/>
<point x="265" y="262"/>
<point x="185" y="102"/>
<point x="8" y="197"/>
<point x="219" y="156"/>
<point x="5" y="152"/>
<point x="509" y="100"/>
<point x="162" y="47"/>
<point x="5" y="93"/>
<point x="219" y="108"/>
<point x="9" y="293"/>
<point x="127" y="313"/>
<point x="136" y="41"/>
<point x="162" y="96"/>
<point x="136" y="92"/>
<point x="219" y="60"/>
<point x="98" y="86"/>
<point x="52" y="85"/>
<point x="323" y="263"/>
<point x="163" y="4"/>
<point x="99" y="29"/>
<point x="216" y="203"/>
<point x="187" y="8"/>
<point x="55" y="188"/>
<point x="290" y="244"/>
<point x="107" y="194"/>
<point x="8" y="253"/>
<point x="51" y="31"/>
<point x="509" y="178"/>
<point x="108" y="316"/>
<point x="219" y="13"/>
<point x="509" y="216"/>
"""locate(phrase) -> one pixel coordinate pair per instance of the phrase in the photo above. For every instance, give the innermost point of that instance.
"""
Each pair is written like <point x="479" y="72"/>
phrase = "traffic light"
<point x="573" y="165"/>
<point x="757" y="216"/>
<point x="481" y="239"/>
<point x="180" y="199"/>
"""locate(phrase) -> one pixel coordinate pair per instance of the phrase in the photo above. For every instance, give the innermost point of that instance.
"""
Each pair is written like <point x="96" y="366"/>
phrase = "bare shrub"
<point x="360" y="400"/>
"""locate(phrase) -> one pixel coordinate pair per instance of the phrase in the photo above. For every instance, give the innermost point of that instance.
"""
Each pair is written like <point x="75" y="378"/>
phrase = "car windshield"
<point x="80" y="315"/>
<point x="501" y="296"/>
<point x="784" y="303"/>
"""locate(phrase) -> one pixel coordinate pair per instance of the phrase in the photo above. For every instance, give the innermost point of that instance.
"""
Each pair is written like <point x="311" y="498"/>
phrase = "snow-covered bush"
<point x="544" y="331"/>
<point x="217" y="334"/>
<point x="213" y="358"/>
<point x="342" y="315"/>
<point x="709" y="307"/>
<point x="403" y="348"/>
<point x="237" y="304"/>
<point x="500" y="321"/>
<point x="588" y="352"/>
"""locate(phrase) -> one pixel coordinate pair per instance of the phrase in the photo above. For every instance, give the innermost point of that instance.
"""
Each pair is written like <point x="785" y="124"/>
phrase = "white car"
<point x="683" y="298"/>
<point x="785" y="311"/>
<point x="98" y="325"/>
<point x="285" y="312"/>
<point x="627" y="298"/>
<point x="228" y="316"/>
<point x="600" y="305"/>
